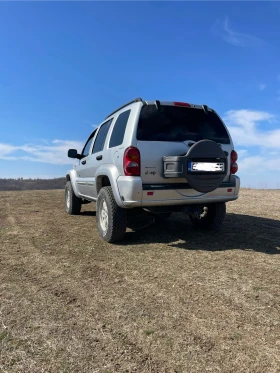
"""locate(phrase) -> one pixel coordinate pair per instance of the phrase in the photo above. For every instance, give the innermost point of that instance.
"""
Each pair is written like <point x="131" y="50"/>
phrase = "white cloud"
<point x="260" y="164"/>
<point x="238" y="39"/>
<point x="257" y="148"/>
<point x="242" y="152"/>
<point x="262" y="87"/>
<point x="7" y="158"/>
<point x="93" y="125"/>
<point x="243" y="127"/>
<point x="55" y="153"/>
<point x="6" y="149"/>
<point x="251" y="163"/>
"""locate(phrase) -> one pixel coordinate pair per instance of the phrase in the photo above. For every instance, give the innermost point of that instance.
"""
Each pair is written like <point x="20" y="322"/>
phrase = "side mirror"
<point x="72" y="153"/>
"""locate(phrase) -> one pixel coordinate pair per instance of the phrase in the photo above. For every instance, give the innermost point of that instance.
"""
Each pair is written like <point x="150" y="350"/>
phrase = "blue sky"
<point x="65" y="65"/>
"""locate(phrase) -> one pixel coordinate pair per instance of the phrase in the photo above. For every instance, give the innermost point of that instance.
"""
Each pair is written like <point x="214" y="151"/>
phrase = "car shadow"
<point x="238" y="232"/>
<point x="87" y="213"/>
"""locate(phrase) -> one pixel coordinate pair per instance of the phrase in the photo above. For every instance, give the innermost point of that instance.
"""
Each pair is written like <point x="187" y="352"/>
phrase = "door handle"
<point x="99" y="157"/>
<point x="84" y="162"/>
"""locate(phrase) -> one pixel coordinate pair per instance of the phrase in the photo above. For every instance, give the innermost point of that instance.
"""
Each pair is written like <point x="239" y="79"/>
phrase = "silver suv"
<point x="157" y="156"/>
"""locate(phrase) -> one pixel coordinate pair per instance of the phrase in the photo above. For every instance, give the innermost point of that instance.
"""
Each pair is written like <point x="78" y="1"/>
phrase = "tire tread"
<point x="75" y="202"/>
<point x="117" y="217"/>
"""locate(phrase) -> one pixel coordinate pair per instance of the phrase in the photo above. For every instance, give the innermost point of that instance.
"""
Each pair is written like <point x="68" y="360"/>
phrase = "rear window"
<point x="119" y="129"/>
<point x="175" y="123"/>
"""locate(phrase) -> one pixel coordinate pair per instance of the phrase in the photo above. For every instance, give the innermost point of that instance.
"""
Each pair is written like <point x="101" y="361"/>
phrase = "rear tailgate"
<point x="152" y="154"/>
<point x="169" y="130"/>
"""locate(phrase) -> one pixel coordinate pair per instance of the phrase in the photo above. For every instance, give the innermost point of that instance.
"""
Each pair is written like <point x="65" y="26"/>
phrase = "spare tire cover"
<point x="205" y="151"/>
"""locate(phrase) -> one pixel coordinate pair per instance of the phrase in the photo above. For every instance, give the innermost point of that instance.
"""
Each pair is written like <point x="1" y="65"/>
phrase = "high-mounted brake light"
<point x="131" y="162"/>
<point x="182" y="104"/>
<point x="234" y="165"/>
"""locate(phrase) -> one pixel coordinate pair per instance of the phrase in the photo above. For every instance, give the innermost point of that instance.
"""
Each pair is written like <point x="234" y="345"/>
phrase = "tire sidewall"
<point x="117" y="216"/>
<point x="68" y="189"/>
<point x="74" y="207"/>
<point x="103" y="197"/>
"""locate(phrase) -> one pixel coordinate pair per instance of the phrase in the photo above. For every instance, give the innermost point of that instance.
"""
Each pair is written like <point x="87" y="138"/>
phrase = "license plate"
<point x="206" y="167"/>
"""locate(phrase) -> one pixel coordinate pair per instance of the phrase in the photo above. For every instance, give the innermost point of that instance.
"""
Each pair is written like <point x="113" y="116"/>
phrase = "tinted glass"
<point x="119" y="129"/>
<point x="101" y="137"/>
<point x="86" y="148"/>
<point x="174" y="123"/>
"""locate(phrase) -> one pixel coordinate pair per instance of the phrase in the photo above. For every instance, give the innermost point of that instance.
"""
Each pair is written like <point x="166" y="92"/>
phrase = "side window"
<point x="119" y="129"/>
<point x="87" y="146"/>
<point x="101" y="137"/>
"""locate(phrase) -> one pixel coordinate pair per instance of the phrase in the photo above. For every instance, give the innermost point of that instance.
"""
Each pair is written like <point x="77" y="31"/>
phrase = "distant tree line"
<point x="32" y="184"/>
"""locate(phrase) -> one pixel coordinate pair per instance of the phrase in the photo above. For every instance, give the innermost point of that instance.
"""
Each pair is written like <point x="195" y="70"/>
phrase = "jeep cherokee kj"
<point x="157" y="156"/>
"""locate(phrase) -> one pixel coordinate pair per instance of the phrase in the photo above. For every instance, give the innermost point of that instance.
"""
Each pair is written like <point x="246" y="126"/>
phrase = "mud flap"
<point x="204" y="166"/>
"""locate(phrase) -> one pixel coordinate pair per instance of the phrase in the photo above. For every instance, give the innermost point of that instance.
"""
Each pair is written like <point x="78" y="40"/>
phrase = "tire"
<point x="213" y="218"/>
<point x="72" y="202"/>
<point x="111" y="219"/>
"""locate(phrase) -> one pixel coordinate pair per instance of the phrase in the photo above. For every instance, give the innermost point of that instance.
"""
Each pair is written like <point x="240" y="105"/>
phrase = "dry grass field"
<point x="168" y="299"/>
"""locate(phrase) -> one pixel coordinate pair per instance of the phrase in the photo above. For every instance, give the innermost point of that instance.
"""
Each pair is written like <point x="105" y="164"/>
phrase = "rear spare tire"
<point x="204" y="166"/>
<point x="205" y="151"/>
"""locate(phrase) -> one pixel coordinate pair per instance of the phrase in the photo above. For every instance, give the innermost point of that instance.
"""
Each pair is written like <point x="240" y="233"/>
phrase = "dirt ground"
<point x="168" y="299"/>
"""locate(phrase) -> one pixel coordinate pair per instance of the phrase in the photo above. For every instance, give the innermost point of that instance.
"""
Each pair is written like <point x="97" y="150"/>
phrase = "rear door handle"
<point x="99" y="157"/>
<point x="84" y="162"/>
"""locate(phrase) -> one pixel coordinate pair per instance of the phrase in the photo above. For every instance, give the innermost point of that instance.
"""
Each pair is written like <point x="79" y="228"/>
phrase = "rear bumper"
<point x="134" y="194"/>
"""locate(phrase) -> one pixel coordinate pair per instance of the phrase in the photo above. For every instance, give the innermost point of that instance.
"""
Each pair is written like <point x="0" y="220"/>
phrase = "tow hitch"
<point x="196" y="212"/>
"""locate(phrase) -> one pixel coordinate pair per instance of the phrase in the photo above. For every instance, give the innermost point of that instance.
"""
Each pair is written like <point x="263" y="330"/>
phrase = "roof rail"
<point x="131" y="102"/>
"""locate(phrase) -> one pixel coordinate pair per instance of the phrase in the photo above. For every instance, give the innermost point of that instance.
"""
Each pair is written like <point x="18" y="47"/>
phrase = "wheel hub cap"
<point x="68" y="199"/>
<point x="104" y="220"/>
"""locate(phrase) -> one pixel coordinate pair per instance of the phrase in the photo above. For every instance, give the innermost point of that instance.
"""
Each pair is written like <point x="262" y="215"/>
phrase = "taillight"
<point x="131" y="162"/>
<point x="234" y="156"/>
<point x="182" y="104"/>
<point x="234" y="165"/>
